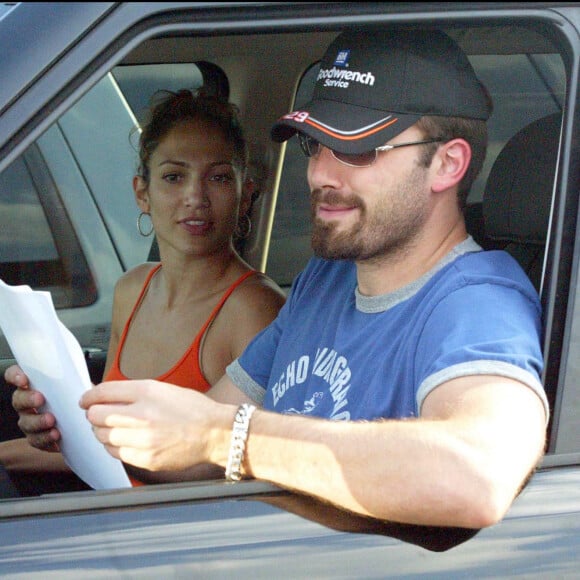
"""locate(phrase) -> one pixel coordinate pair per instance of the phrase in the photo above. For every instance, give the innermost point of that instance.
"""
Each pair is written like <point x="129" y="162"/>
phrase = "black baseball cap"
<point x="374" y="85"/>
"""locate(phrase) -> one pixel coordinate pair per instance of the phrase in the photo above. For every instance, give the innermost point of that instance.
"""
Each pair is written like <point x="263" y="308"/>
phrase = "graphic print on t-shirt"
<point x="328" y="366"/>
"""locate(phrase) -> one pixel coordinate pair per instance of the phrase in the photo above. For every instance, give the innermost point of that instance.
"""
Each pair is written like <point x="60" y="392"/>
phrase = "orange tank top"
<point x="187" y="371"/>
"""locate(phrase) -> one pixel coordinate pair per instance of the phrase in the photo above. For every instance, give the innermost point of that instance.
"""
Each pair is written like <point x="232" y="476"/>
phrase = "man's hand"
<point x="38" y="427"/>
<point x="158" y="426"/>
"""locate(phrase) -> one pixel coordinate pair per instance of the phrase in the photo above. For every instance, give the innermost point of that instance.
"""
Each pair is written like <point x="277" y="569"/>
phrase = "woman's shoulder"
<point x="253" y="305"/>
<point x="257" y="295"/>
<point x="137" y="276"/>
<point x="130" y="284"/>
<point x="260" y="287"/>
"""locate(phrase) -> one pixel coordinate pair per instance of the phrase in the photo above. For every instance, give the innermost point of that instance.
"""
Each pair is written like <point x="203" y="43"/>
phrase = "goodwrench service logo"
<point x="341" y="76"/>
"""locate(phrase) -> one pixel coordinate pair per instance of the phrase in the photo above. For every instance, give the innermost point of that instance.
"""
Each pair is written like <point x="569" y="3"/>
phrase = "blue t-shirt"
<point x="335" y="353"/>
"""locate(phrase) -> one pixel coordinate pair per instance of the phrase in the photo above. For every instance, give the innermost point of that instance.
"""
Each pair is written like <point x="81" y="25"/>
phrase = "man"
<point x="424" y="350"/>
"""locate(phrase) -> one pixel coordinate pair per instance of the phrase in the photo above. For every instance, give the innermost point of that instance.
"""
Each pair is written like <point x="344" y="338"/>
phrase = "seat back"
<point x="517" y="200"/>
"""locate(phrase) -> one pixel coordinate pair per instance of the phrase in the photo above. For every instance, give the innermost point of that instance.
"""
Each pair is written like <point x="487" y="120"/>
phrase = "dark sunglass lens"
<point x="310" y="147"/>
<point x="357" y="159"/>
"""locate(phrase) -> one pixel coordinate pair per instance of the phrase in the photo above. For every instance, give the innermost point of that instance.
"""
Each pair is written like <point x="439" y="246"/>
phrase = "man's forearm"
<point x="463" y="470"/>
<point x="380" y="469"/>
<point x="200" y="472"/>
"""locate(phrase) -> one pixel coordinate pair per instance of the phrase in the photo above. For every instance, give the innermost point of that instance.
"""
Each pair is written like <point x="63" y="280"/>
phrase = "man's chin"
<point x="330" y="250"/>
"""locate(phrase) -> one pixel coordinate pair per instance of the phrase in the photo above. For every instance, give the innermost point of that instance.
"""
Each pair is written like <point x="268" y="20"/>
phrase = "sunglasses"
<point x="311" y="148"/>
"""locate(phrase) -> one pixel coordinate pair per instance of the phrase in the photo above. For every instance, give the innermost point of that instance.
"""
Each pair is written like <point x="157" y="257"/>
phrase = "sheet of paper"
<point x="53" y="360"/>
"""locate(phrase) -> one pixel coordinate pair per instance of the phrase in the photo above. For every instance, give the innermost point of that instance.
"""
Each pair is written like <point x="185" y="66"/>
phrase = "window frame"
<point x="562" y="244"/>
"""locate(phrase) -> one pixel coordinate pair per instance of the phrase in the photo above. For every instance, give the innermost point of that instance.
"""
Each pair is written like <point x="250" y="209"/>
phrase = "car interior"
<point x="237" y="64"/>
<point x="521" y="178"/>
<point x="268" y="74"/>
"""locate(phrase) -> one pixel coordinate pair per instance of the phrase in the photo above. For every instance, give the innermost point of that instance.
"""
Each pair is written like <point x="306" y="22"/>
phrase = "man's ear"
<point x="450" y="164"/>
<point x="141" y="193"/>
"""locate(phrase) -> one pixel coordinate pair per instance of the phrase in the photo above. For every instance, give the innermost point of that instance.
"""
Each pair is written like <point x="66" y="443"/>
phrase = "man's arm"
<point x="461" y="464"/>
<point x="225" y="391"/>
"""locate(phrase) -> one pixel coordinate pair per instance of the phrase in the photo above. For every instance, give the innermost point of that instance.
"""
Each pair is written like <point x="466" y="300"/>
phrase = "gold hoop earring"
<point x="244" y="227"/>
<point x="140" y="226"/>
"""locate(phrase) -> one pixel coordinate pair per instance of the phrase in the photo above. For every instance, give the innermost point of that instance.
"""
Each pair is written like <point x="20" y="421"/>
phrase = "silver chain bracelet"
<point x="238" y="443"/>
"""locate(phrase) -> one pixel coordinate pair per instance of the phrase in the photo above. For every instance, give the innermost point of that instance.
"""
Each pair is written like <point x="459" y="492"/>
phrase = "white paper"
<point x="53" y="360"/>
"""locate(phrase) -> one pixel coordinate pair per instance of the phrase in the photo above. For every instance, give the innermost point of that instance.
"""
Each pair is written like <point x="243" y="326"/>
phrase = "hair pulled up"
<point x="169" y="109"/>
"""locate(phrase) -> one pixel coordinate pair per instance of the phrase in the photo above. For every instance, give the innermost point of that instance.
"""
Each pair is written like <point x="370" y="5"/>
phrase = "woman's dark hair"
<point x="169" y="109"/>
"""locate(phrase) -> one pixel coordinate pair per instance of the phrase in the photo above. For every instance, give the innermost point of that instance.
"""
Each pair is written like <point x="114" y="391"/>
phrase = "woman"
<point x="184" y="319"/>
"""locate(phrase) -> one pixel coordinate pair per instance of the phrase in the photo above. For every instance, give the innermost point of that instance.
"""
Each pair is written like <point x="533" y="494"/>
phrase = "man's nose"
<point x="324" y="171"/>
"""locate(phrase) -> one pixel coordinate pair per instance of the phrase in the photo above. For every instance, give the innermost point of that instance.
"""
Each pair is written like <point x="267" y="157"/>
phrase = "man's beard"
<point x="390" y="229"/>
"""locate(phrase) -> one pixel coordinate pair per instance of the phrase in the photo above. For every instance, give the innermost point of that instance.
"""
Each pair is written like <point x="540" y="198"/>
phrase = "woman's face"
<point x="195" y="194"/>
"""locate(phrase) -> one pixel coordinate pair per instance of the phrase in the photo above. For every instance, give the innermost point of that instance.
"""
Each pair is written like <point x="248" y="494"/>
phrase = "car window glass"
<point x="25" y="235"/>
<point x="290" y="240"/>
<point x="139" y="83"/>
<point x="37" y="245"/>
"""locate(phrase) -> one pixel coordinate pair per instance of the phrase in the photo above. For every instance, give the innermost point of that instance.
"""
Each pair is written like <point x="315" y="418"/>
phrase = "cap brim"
<point x="342" y="127"/>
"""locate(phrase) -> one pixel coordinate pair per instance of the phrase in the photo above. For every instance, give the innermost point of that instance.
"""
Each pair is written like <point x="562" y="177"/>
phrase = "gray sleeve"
<point x="482" y="367"/>
<point x="245" y="383"/>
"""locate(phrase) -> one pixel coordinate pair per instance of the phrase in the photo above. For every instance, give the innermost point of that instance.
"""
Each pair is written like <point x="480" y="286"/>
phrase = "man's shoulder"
<point x="492" y="267"/>
<point x="490" y="263"/>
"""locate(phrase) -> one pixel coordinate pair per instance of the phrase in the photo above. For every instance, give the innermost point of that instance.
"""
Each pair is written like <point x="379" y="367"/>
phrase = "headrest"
<point x="518" y="193"/>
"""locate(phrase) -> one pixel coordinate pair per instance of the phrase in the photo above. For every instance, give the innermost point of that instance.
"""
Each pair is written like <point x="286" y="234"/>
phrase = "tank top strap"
<point x="190" y="364"/>
<point x="223" y="300"/>
<point x="115" y="371"/>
